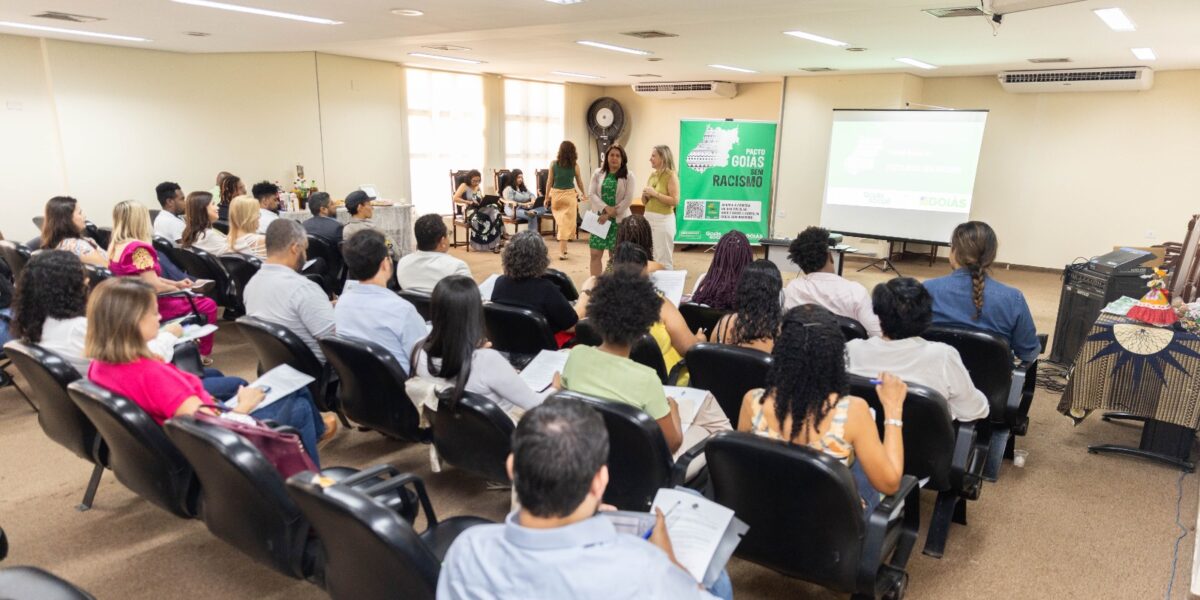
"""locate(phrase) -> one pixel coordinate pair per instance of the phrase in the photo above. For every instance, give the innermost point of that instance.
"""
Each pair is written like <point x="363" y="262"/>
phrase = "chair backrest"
<point x="240" y="269"/>
<point x="221" y="225"/>
<point x="475" y="436"/>
<point x="49" y="375"/>
<point x="728" y="372"/>
<point x="1185" y="270"/>
<point x="543" y="176"/>
<point x="851" y="329"/>
<point x="802" y="506"/>
<point x="638" y="459"/>
<point x="645" y="351"/>
<point x="564" y="283"/>
<point x="277" y="345"/>
<point x="139" y="453"/>
<point x="371" y="390"/>
<point x="419" y="301"/>
<point x="101" y="235"/>
<point x="371" y="552"/>
<point x="39" y="222"/>
<point x="163" y="246"/>
<point x="96" y="275"/>
<point x="987" y="358"/>
<point x="242" y="497"/>
<point x="517" y="330"/>
<point x="154" y="214"/>
<point x="699" y="316"/>
<point x="16" y="255"/>
<point x="457" y="177"/>
<point x="319" y="247"/>
<point x="206" y="266"/>
<point x="928" y="430"/>
<point x="502" y="179"/>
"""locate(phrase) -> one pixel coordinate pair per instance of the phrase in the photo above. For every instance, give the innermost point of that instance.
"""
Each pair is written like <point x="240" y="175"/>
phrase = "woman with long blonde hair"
<point x="661" y="197"/>
<point x="134" y="256"/>
<point x="243" y="228"/>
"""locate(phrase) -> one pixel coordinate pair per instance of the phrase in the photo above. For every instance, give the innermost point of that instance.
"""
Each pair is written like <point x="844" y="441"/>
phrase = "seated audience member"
<point x="324" y="223"/>
<point x="167" y="223"/>
<point x="124" y="316"/>
<point x="468" y="191"/>
<point x="805" y="402"/>
<point x="525" y="260"/>
<point x="456" y="354"/>
<point x="199" y="214"/>
<point x="279" y="294"/>
<point x="358" y="204"/>
<point x="231" y="188"/>
<point x="718" y="286"/>
<point x="369" y="310"/>
<point x="520" y="200"/>
<point x="63" y="228"/>
<point x="636" y="229"/>
<point x="267" y="195"/>
<point x="556" y="545"/>
<point x="49" y="309"/>
<point x="134" y="256"/>
<point x="420" y="271"/>
<point x="969" y="297"/>
<point x="756" y="322"/>
<point x="244" y="238"/>
<point x="216" y="190"/>
<point x="905" y="311"/>
<point x="821" y="286"/>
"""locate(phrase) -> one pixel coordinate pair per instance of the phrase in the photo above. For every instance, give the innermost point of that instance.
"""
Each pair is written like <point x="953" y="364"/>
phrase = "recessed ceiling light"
<point x="456" y="59"/>
<point x="916" y="63"/>
<point x="729" y="68"/>
<point x="259" y="11"/>
<point x="406" y="12"/>
<point x="612" y="47"/>
<point x="1115" y="19"/>
<point x="107" y="36"/>
<point x="1144" y="53"/>
<point x="579" y="75"/>
<point x="816" y="38"/>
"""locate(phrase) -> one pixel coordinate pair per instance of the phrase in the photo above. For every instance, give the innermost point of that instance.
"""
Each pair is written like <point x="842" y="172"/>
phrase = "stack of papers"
<point x="670" y="283"/>
<point x="689" y="401"/>
<point x="195" y="332"/>
<point x="591" y="224"/>
<point x="539" y="373"/>
<point x="281" y="381"/>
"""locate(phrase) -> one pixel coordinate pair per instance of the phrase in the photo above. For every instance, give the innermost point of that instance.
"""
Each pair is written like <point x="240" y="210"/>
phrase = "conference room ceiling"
<point x="534" y="38"/>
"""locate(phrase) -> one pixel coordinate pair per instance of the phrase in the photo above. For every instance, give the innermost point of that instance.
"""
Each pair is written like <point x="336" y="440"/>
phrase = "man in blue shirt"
<point x="370" y="311"/>
<point x="556" y="546"/>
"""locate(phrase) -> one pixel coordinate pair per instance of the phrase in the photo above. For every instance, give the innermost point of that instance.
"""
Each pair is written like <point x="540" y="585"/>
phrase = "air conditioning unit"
<point x="1110" y="79"/>
<point x="686" y="89"/>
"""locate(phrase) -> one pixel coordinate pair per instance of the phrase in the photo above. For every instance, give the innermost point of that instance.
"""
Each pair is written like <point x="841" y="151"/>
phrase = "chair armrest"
<point x="399" y="481"/>
<point x="369" y="473"/>
<point x="1024" y="376"/>
<point x="680" y="468"/>
<point x="965" y="471"/>
<point x="177" y="294"/>
<point x="907" y="500"/>
<point x="186" y="358"/>
<point x="676" y="372"/>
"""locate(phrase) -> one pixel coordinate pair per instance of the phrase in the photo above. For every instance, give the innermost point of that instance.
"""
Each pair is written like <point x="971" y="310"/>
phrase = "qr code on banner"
<point x="693" y="210"/>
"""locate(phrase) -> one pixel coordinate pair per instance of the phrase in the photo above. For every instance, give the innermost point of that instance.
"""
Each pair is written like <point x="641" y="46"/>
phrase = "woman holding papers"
<point x="609" y="196"/>
<point x="562" y="196"/>
<point x="661" y="197"/>
<point x="123" y="317"/>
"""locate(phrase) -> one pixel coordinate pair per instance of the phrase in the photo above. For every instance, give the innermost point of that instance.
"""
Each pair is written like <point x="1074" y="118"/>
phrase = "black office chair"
<point x="206" y="266"/>
<point x="806" y="517"/>
<point x="96" y="275"/>
<point x="564" y="283"/>
<point x="163" y="246"/>
<point x="240" y="269"/>
<point x="475" y="435"/>
<point x="61" y="420"/>
<point x="154" y="214"/>
<point x="101" y="235"/>
<point x="728" y="372"/>
<point x="221" y="225"/>
<point x="1008" y="386"/>
<point x="371" y="390"/>
<point x="935" y="447"/>
<point x="334" y="277"/>
<point x="586" y="334"/>
<point x="15" y="255"/>
<point x="277" y="345"/>
<point x="699" y="316"/>
<point x="639" y="462"/>
<point x="139" y="453"/>
<point x="419" y="301"/>
<point x="39" y="222"/>
<point x="645" y="351"/>
<point x="851" y="329"/>
<point x="32" y="583"/>
<point x="518" y="332"/>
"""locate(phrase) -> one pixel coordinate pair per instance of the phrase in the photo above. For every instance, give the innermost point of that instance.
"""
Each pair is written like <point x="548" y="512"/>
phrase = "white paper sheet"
<point x="539" y="373"/>
<point x="195" y="332"/>
<point x="199" y="283"/>
<point x="670" y="283"/>
<point x="282" y="380"/>
<point x="689" y="401"/>
<point x="592" y="225"/>
<point x="696" y="526"/>
<point x="308" y="263"/>
<point x="489" y="284"/>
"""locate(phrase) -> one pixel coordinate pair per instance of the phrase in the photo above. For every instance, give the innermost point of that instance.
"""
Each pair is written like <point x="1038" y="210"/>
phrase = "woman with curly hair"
<point x="62" y="229"/>
<point x="718" y="286"/>
<point x="525" y="260"/>
<point x="805" y="402"/>
<point x="756" y="322"/>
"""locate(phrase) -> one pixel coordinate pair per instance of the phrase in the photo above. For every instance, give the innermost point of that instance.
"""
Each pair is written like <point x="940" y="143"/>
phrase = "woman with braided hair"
<point x="636" y="229"/>
<point x="805" y="403"/>
<point x="756" y="322"/>
<point x="970" y="297"/>
<point x="718" y="287"/>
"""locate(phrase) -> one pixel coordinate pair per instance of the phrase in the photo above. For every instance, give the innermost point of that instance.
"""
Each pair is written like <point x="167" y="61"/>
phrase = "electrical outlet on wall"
<point x="1150" y="234"/>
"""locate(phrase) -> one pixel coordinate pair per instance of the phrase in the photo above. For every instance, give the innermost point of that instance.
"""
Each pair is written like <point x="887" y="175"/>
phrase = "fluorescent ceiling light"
<point x="570" y="74"/>
<point x="1115" y="19"/>
<point x="1144" y="53"/>
<point x="916" y="63"/>
<point x="465" y="61"/>
<point x="729" y="68"/>
<point x="612" y="47"/>
<point x="107" y="36"/>
<point x="406" y="12"/>
<point x="816" y="38"/>
<point x="259" y="11"/>
<point x="565" y="1"/>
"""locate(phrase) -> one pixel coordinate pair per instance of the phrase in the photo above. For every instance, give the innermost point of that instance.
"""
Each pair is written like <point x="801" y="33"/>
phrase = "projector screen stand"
<point x="888" y="265"/>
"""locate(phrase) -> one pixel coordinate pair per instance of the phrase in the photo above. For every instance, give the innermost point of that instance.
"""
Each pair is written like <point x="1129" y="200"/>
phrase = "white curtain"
<point x="445" y="131"/>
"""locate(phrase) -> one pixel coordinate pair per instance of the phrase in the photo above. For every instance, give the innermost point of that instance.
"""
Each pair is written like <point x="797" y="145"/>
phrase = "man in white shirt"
<point x="420" y="271"/>
<point x="167" y="223"/>
<point x="905" y="311"/>
<point x="818" y="284"/>
<point x="267" y="195"/>
<point x="279" y="294"/>
<point x="369" y="311"/>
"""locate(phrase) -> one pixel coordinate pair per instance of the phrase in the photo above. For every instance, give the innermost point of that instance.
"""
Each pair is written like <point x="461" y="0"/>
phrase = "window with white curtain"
<point x="533" y="124"/>
<point x="445" y="131"/>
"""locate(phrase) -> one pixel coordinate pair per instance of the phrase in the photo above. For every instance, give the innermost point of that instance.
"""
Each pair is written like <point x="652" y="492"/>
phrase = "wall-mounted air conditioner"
<point x="686" y="89"/>
<point x="1110" y="79"/>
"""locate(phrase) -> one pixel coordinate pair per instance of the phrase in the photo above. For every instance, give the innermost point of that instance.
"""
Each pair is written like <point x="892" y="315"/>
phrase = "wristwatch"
<point x="896" y="422"/>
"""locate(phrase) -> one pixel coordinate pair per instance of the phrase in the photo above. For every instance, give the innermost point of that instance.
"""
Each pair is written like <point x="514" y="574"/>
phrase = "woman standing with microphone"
<point x="610" y="195"/>
<point x="661" y="196"/>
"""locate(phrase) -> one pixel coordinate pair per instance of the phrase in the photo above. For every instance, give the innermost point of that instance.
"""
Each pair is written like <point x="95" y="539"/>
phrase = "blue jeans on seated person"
<point x="297" y="410"/>
<point x="219" y="386"/>
<point x="533" y="216"/>
<point x="868" y="492"/>
<point x="722" y="587"/>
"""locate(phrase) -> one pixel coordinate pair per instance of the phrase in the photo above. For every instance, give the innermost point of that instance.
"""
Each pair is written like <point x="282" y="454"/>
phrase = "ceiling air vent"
<point x="62" y="16"/>
<point x="960" y="11"/>
<point x="197" y="33"/>
<point x="1046" y="61"/>
<point x="1112" y="79"/>
<point x="651" y="34"/>
<point x="817" y="69"/>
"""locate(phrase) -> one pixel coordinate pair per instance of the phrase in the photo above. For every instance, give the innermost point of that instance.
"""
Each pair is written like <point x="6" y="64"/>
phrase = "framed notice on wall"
<point x="725" y="176"/>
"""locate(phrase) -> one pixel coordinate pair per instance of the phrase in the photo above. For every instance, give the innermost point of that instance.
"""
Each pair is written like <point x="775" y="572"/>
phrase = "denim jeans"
<point x="297" y="410"/>
<point x="219" y="386"/>
<point x="531" y="215"/>
<point x="868" y="492"/>
<point x="722" y="587"/>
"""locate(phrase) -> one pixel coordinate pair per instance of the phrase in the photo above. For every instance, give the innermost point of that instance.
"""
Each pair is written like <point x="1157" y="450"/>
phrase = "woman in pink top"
<point x="123" y="316"/>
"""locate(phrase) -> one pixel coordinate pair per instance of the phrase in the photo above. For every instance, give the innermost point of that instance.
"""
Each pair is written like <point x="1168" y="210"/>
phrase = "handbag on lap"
<point x="280" y="446"/>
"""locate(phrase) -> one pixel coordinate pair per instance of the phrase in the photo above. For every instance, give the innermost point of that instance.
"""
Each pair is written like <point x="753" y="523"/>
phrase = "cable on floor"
<point x="1183" y="531"/>
<point x="1052" y="377"/>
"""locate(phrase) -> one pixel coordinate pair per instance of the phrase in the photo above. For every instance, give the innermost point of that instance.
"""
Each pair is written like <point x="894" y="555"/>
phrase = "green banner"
<point x="724" y="179"/>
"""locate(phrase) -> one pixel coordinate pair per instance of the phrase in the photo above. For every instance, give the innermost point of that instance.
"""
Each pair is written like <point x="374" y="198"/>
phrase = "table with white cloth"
<point x="395" y="221"/>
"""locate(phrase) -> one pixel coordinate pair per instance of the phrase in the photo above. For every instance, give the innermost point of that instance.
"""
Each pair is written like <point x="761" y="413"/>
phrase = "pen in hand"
<point x="646" y="536"/>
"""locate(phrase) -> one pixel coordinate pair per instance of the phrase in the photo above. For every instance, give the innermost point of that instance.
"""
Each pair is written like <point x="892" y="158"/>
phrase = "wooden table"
<point x="396" y="221"/>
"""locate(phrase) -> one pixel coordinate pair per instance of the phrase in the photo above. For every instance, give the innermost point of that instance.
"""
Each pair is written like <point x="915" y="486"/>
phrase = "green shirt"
<point x="597" y="373"/>
<point x="562" y="178"/>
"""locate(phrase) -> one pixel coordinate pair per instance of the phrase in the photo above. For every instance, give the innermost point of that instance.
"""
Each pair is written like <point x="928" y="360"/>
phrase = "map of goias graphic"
<point x="713" y="149"/>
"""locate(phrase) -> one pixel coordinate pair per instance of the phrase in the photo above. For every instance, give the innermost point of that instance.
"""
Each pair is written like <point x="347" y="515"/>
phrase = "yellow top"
<point x="659" y="180"/>
<point x="671" y="357"/>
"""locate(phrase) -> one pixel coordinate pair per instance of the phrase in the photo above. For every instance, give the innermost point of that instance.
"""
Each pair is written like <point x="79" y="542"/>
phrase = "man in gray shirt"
<point x="279" y="294"/>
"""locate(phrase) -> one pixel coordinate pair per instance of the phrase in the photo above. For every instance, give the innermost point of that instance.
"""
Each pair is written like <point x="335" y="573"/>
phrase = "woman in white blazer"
<point x="610" y="193"/>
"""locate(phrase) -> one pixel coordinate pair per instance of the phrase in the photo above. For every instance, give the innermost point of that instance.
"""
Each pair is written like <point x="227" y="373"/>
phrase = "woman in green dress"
<point x="610" y="194"/>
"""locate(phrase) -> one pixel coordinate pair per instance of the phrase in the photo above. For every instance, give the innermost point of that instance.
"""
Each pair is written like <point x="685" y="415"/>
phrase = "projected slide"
<point x="907" y="174"/>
